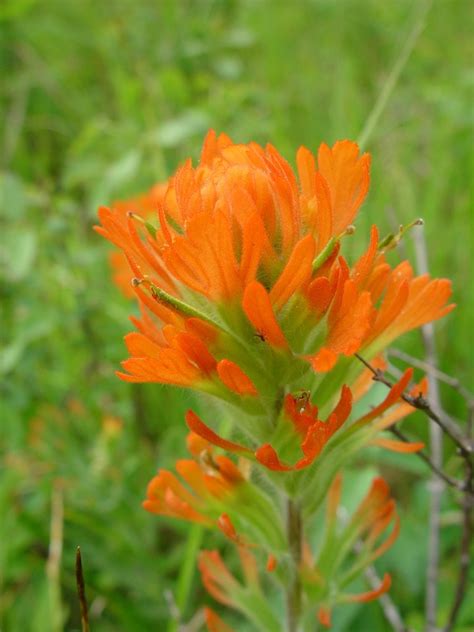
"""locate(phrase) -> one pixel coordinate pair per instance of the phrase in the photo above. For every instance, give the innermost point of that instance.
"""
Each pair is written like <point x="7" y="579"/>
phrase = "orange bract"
<point x="314" y="432"/>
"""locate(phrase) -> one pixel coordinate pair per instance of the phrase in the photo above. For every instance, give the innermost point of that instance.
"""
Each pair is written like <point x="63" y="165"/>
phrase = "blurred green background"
<point x="99" y="100"/>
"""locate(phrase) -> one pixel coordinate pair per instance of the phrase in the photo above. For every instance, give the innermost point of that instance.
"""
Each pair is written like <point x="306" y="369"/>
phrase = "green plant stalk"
<point x="185" y="579"/>
<point x="294" y="594"/>
<point x="395" y="73"/>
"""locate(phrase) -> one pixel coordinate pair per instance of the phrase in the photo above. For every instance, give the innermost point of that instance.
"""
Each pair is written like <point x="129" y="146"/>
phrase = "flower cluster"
<point x="245" y="296"/>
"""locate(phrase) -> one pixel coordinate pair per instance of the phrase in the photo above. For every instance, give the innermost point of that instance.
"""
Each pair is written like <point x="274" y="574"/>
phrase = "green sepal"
<point x="325" y="253"/>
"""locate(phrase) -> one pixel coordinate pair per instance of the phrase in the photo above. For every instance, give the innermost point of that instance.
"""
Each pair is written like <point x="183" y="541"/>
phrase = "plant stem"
<point x="186" y="575"/>
<point x="395" y="72"/>
<point x="294" y="533"/>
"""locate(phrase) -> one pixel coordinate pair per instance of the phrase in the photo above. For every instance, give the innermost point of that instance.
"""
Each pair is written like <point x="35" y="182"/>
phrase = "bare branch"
<point x="395" y="372"/>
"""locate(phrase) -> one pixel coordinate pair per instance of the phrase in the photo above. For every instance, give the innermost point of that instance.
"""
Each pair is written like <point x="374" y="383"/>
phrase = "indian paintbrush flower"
<point x="245" y="297"/>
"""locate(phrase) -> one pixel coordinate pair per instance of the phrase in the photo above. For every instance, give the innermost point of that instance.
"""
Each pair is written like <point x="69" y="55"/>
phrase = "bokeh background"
<point x="99" y="100"/>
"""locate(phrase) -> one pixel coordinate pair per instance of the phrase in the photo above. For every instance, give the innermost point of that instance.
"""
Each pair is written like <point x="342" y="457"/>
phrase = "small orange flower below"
<point x="207" y="479"/>
<point x="368" y="526"/>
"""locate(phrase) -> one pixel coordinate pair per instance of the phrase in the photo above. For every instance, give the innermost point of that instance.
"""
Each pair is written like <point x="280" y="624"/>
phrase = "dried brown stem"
<point x="81" y="591"/>
<point x="395" y="372"/>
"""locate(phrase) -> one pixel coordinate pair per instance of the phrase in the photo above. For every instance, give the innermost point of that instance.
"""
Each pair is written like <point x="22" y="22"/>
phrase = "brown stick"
<point x="81" y="591"/>
<point x="395" y="372"/>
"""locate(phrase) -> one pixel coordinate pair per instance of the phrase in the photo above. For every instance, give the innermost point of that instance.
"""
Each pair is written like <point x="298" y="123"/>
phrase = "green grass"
<point x="99" y="101"/>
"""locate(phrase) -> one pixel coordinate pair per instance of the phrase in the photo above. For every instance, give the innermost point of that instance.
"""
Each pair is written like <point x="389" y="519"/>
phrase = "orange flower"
<point x="348" y="322"/>
<point x="244" y="295"/>
<point x="403" y="302"/>
<point x="180" y="354"/>
<point x="145" y="207"/>
<point x="212" y="490"/>
<point x="249" y="253"/>
<point x="237" y="228"/>
<point x="209" y="483"/>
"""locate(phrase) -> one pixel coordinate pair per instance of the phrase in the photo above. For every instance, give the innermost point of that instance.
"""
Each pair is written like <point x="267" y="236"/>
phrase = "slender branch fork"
<point x="450" y="427"/>
<point x="464" y="444"/>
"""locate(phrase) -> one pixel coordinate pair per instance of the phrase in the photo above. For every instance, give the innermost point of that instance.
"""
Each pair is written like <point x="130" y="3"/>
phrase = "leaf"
<point x="12" y="196"/>
<point x="11" y="354"/>
<point x="176" y="130"/>
<point x="18" y="253"/>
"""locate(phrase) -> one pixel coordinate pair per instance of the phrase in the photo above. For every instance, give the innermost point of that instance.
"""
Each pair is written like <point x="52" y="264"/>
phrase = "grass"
<point x="100" y="101"/>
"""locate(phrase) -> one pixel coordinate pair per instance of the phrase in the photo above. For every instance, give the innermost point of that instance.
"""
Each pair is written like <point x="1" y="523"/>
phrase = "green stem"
<point x="295" y="535"/>
<point x="395" y="73"/>
<point x="186" y="575"/>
